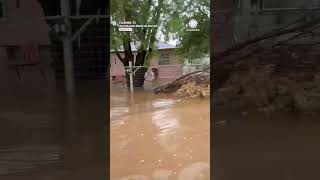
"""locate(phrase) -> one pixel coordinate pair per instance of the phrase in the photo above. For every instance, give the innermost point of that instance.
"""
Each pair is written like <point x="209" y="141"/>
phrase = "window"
<point x="289" y="4"/>
<point x="3" y="10"/>
<point x="255" y="3"/>
<point x="164" y="59"/>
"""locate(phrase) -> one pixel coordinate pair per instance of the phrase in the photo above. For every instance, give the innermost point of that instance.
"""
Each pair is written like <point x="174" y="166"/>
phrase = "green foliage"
<point x="171" y="16"/>
<point x="193" y="44"/>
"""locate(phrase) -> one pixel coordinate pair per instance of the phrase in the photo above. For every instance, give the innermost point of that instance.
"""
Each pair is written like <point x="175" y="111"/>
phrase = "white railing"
<point x="184" y="68"/>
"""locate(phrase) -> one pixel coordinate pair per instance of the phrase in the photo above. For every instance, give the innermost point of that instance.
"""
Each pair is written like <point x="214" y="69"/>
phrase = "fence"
<point x="167" y="73"/>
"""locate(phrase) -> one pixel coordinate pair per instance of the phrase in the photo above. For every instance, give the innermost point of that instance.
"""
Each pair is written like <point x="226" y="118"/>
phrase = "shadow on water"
<point x="54" y="136"/>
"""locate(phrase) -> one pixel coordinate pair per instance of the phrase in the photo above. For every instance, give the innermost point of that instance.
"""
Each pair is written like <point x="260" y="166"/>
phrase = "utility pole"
<point x="67" y="47"/>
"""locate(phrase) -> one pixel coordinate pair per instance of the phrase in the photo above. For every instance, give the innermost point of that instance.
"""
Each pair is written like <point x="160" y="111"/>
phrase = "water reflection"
<point x="167" y="125"/>
<point x="53" y="137"/>
<point x="118" y="111"/>
<point x="22" y="159"/>
<point x="163" y="103"/>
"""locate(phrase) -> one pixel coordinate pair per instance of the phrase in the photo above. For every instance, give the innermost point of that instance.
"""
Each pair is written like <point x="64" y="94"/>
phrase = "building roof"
<point x="160" y="46"/>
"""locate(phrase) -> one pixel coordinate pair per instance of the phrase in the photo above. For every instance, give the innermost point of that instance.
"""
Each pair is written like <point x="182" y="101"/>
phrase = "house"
<point x="169" y="64"/>
<point x="34" y="21"/>
<point x="235" y="21"/>
<point x="255" y="17"/>
<point x="223" y="26"/>
<point x="16" y="18"/>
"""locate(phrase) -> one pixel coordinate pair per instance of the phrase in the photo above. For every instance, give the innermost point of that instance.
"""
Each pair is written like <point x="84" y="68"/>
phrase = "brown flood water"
<point x="253" y="145"/>
<point x="159" y="137"/>
<point x="156" y="137"/>
<point x="52" y="137"/>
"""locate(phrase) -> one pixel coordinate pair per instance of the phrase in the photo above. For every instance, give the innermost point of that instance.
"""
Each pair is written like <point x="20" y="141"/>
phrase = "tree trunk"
<point x="128" y="56"/>
<point x="140" y="58"/>
<point x="138" y="78"/>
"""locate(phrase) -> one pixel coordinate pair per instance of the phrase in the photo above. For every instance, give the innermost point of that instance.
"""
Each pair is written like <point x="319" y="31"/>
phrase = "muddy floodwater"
<point x="53" y="137"/>
<point x="159" y="137"/>
<point x="251" y="145"/>
<point x="156" y="137"/>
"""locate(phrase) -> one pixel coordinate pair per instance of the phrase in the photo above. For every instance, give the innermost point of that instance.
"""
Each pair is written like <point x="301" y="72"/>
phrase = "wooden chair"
<point x="29" y="60"/>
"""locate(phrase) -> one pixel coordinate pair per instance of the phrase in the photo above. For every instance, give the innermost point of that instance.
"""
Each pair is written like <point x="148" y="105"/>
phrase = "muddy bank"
<point x="271" y="87"/>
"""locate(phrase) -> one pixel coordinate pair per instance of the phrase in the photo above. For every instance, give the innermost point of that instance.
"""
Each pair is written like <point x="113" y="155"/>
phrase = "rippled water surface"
<point x="159" y="137"/>
<point x="156" y="137"/>
<point x="53" y="137"/>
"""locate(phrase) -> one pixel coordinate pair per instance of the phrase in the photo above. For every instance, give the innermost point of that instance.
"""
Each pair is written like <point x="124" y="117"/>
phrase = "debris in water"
<point x="191" y="89"/>
<point x="221" y="123"/>
<point x="244" y="113"/>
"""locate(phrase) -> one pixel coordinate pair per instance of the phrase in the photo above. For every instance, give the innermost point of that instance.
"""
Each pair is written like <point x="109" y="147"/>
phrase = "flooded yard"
<point x="252" y="145"/>
<point x="52" y="137"/>
<point x="159" y="137"/>
<point x="154" y="137"/>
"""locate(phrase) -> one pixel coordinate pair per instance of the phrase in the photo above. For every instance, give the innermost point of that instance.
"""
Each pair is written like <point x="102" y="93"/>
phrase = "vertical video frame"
<point x="160" y="89"/>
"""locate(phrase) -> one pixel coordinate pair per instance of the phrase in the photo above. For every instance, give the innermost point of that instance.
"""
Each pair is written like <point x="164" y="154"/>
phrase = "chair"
<point x="29" y="60"/>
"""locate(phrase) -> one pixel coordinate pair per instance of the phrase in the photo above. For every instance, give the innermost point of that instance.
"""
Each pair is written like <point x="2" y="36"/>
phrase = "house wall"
<point x="167" y="73"/>
<point x="222" y="24"/>
<point x="25" y="25"/>
<point x="251" y="21"/>
<point x="235" y="21"/>
<point x="171" y="71"/>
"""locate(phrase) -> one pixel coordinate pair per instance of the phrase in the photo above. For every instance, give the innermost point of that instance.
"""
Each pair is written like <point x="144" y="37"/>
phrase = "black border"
<point x="107" y="131"/>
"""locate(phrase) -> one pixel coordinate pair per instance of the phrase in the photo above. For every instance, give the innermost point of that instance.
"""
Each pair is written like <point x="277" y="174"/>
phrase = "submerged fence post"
<point x="67" y="47"/>
<point x="131" y="76"/>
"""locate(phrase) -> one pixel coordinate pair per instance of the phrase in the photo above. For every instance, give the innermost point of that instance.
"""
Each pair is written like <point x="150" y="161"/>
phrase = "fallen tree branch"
<point x="175" y="82"/>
